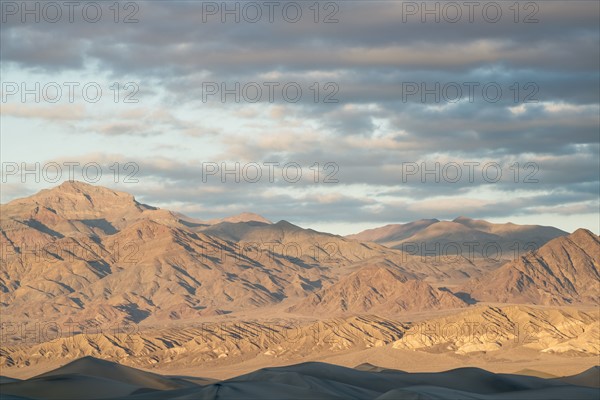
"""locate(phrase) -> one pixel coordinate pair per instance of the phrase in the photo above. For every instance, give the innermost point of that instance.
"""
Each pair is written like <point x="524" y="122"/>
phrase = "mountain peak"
<point x="462" y="218"/>
<point x="286" y="224"/>
<point x="74" y="200"/>
<point x="76" y="185"/>
<point x="584" y="239"/>
<point x="242" y="217"/>
<point x="583" y="233"/>
<point x="562" y="271"/>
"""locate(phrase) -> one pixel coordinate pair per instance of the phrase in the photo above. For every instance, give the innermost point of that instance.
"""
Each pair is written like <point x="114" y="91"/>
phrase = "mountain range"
<point x="91" y="253"/>
<point x="466" y="236"/>
<point x="87" y="271"/>
<point x="563" y="271"/>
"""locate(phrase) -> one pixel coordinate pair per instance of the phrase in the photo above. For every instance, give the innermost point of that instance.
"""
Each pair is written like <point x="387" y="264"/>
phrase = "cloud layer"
<point x="396" y="110"/>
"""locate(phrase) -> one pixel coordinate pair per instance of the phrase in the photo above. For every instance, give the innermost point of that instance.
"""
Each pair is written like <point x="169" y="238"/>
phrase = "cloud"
<point x="547" y="114"/>
<point x="59" y="112"/>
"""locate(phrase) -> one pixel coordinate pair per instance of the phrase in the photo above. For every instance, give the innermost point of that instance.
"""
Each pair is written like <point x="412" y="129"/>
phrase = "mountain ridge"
<point x="82" y="251"/>
<point x="563" y="271"/>
<point x="462" y="235"/>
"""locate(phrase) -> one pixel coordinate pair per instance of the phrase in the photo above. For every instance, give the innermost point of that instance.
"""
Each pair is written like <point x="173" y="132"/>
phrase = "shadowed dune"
<point x="90" y="378"/>
<point x="590" y="377"/>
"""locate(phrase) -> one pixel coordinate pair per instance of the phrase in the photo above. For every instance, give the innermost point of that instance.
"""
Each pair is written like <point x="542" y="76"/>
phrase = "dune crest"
<point x="95" y="379"/>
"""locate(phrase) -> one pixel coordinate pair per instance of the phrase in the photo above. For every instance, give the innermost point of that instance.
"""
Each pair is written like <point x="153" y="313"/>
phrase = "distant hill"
<point x="465" y="236"/>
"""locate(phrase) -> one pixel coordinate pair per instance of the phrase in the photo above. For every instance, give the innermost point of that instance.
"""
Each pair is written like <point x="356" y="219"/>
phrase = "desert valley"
<point x="105" y="297"/>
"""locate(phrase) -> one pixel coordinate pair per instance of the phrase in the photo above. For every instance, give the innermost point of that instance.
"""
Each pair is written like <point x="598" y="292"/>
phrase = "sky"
<point x="339" y="116"/>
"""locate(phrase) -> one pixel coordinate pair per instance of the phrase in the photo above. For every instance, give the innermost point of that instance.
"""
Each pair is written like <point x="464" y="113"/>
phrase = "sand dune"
<point x="590" y="377"/>
<point x="98" y="368"/>
<point x="96" y="379"/>
<point x="90" y="377"/>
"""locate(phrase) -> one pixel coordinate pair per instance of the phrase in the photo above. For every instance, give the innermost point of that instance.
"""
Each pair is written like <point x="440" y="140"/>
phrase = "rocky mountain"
<point x="91" y="253"/>
<point x="86" y="251"/>
<point x="376" y="289"/>
<point x="563" y="271"/>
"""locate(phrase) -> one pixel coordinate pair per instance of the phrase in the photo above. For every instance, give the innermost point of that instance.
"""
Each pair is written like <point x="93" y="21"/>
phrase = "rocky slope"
<point x="90" y="253"/>
<point x="564" y="271"/>
<point x="376" y="289"/>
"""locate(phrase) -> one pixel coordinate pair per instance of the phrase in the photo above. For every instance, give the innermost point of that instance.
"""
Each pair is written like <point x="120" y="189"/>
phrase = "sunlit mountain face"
<point x="327" y="199"/>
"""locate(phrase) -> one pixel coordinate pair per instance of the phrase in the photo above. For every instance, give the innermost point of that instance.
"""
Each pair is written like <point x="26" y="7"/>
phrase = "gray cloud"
<point x="370" y="53"/>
